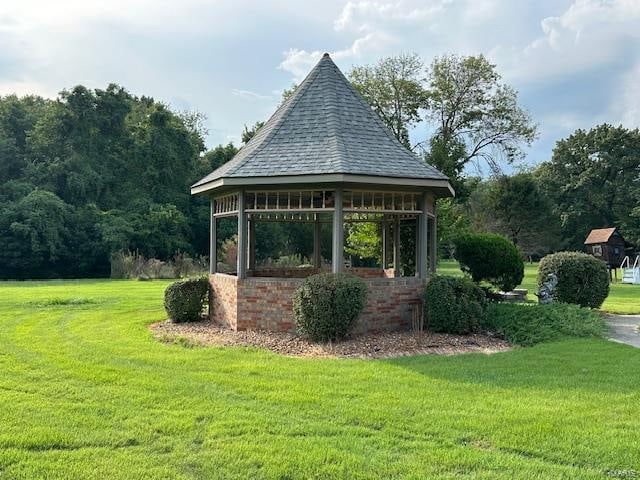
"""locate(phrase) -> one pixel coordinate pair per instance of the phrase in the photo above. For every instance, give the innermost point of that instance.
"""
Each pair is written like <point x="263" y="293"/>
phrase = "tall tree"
<point x="393" y="87"/>
<point x="476" y="117"/>
<point x="593" y="180"/>
<point x="515" y="207"/>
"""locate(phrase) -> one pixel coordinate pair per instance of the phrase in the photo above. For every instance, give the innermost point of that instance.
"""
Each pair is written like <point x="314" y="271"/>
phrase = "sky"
<point x="575" y="63"/>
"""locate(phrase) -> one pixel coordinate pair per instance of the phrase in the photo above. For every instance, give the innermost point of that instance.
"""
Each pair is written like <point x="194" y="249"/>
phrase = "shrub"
<point x="184" y="300"/>
<point x="528" y="324"/>
<point x="582" y="279"/>
<point x="327" y="306"/>
<point x="454" y="305"/>
<point x="135" y="265"/>
<point x="492" y="258"/>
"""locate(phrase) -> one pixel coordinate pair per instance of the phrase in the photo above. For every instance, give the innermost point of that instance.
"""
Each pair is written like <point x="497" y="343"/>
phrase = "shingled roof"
<point x="599" y="235"/>
<point x="324" y="128"/>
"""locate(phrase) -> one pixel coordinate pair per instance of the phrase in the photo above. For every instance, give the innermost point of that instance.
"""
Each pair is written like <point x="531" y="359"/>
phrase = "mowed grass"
<point x="85" y="392"/>
<point x="623" y="298"/>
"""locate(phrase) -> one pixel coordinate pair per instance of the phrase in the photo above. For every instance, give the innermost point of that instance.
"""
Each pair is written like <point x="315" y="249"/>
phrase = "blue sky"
<point x="575" y="63"/>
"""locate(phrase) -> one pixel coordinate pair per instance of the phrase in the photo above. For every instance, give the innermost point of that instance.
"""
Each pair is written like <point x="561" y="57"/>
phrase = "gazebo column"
<point x="396" y="246"/>
<point x="423" y="238"/>
<point x="213" y="239"/>
<point x="337" y="257"/>
<point x="434" y="245"/>
<point x="252" y="243"/>
<point x="242" y="237"/>
<point x="385" y="242"/>
<point x="317" y="255"/>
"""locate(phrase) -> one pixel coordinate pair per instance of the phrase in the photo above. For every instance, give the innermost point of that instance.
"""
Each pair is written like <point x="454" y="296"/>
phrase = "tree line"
<point x="95" y="172"/>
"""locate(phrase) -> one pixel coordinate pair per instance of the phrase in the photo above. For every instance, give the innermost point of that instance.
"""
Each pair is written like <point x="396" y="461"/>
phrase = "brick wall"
<point x="266" y="303"/>
<point x="223" y="303"/>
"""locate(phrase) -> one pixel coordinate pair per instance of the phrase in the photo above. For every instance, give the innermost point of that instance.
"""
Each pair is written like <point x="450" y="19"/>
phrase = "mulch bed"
<point x="377" y="345"/>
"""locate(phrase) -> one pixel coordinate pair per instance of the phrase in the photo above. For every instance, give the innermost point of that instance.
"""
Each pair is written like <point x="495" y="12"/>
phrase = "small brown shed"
<point x="606" y="244"/>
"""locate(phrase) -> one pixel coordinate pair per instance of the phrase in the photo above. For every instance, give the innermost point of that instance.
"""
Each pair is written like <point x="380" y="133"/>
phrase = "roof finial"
<point x="326" y="54"/>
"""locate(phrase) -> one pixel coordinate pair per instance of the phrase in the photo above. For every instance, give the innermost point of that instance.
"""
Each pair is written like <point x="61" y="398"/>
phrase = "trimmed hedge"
<point x="184" y="300"/>
<point x="528" y="324"/>
<point x="454" y="305"/>
<point x="327" y="306"/>
<point x="490" y="257"/>
<point x="582" y="279"/>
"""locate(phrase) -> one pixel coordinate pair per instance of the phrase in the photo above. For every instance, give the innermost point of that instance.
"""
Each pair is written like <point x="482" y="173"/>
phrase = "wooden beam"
<point x="317" y="254"/>
<point x="242" y="238"/>
<point x="213" y="240"/>
<point x="252" y="244"/>
<point x="396" y="246"/>
<point x="423" y="238"/>
<point x="434" y="245"/>
<point x="385" y="242"/>
<point x="337" y="257"/>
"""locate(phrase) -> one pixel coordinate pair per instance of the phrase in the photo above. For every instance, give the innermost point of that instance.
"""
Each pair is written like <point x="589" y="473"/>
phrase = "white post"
<point x="385" y="242"/>
<point x="434" y="244"/>
<point x="396" y="246"/>
<point x="337" y="258"/>
<point x="317" y="254"/>
<point x="252" y="244"/>
<point x="242" y="237"/>
<point x="213" y="239"/>
<point x="423" y="238"/>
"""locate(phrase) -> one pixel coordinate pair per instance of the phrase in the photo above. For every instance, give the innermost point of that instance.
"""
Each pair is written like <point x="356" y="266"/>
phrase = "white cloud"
<point x="249" y="94"/>
<point x="299" y="62"/>
<point x="626" y="109"/>
<point x="370" y="15"/>
<point x="589" y="34"/>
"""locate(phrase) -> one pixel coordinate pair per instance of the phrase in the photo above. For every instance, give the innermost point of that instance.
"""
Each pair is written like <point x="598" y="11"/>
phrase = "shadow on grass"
<point x="591" y="365"/>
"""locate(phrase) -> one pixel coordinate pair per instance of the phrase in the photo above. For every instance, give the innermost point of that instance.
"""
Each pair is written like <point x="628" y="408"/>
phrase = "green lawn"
<point x="623" y="298"/>
<point x="85" y="392"/>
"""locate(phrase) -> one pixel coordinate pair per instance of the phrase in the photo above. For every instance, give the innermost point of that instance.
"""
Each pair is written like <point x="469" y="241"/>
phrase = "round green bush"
<point x="490" y="257"/>
<point x="327" y="306"/>
<point x="184" y="300"/>
<point x="582" y="279"/>
<point x="454" y="305"/>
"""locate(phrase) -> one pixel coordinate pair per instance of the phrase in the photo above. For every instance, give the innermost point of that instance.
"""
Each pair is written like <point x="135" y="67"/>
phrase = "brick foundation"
<point x="263" y="303"/>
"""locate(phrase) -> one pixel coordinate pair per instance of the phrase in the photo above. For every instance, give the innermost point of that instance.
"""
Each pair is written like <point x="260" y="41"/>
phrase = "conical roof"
<point x="325" y="127"/>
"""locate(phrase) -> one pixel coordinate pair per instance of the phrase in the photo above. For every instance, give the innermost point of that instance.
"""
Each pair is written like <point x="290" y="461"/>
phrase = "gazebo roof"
<point x="324" y="132"/>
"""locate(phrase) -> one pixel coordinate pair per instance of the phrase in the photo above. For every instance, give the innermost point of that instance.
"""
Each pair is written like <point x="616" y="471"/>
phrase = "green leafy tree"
<point x="394" y="89"/>
<point x="476" y="117"/>
<point x="249" y="133"/>
<point x="364" y="241"/>
<point x="515" y="207"/>
<point x="592" y="181"/>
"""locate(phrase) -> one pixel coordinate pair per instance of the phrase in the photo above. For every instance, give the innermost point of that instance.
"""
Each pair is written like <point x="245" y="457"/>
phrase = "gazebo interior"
<point x="392" y="212"/>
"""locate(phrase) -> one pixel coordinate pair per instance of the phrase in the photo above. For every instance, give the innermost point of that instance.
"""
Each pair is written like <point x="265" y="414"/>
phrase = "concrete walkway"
<point x="624" y="329"/>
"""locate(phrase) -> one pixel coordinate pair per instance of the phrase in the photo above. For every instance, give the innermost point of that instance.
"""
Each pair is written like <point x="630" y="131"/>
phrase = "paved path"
<point x="624" y="329"/>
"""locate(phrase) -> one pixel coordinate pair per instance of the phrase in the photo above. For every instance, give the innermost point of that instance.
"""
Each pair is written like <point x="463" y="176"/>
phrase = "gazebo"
<point x="323" y="157"/>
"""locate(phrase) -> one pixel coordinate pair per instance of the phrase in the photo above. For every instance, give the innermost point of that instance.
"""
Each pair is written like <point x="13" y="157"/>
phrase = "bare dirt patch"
<point x="378" y="345"/>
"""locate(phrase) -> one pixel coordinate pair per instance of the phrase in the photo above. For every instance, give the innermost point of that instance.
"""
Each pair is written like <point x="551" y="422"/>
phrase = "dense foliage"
<point x="582" y="279"/>
<point x="94" y="172"/>
<point x="327" y="306"/>
<point x="593" y="181"/>
<point x="454" y="305"/>
<point x="184" y="300"/>
<point x="491" y="258"/>
<point x="524" y="324"/>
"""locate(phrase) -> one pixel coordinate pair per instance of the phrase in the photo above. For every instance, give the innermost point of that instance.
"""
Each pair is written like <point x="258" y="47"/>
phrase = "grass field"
<point x="85" y="392"/>
<point x="623" y="298"/>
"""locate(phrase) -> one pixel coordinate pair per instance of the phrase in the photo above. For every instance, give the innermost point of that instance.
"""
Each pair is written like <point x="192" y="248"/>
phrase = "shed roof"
<point x="324" y="128"/>
<point x="599" y="235"/>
